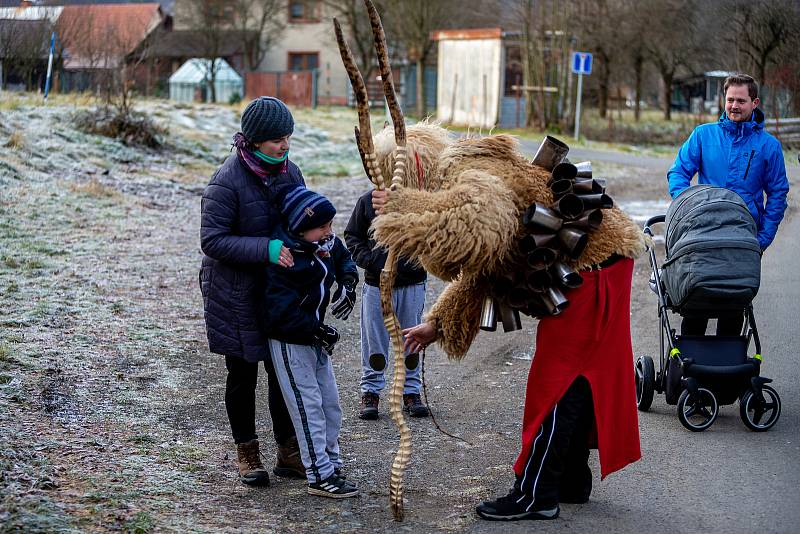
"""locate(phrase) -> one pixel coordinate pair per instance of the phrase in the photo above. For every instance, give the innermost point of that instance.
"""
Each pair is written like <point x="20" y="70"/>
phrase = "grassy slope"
<point x="98" y="256"/>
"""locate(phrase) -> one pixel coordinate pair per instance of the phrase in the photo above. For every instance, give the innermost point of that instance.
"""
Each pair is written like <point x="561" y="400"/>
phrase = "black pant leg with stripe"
<point x="558" y="459"/>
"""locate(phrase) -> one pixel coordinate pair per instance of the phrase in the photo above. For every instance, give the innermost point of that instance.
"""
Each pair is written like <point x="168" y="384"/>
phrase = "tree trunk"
<point x="667" y="79"/>
<point x="212" y="81"/>
<point x="603" y="96"/>
<point x="638" y="67"/>
<point x="605" y="79"/>
<point x="420" y="89"/>
<point x="762" y="72"/>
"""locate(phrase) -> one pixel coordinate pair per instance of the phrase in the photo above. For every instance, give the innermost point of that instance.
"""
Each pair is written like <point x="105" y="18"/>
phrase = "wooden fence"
<point x="786" y="130"/>
<point x="296" y="88"/>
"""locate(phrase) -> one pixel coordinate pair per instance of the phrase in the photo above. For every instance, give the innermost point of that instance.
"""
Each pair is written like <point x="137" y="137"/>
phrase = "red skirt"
<point x="591" y="338"/>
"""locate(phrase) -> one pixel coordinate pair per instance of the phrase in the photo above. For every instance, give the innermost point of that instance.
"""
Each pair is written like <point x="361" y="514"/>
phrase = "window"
<point x="303" y="60"/>
<point x="304" y="11"/>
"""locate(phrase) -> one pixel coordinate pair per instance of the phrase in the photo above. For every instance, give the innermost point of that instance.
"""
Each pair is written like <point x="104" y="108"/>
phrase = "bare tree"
<point x="599" y="22"/>
<point x="672" y="40"/>
<point x="761" y="29"/>
<point x="258" y="27"/>
<point x="546" y="40"/>
<point x="210" y="19"/>
<point x="631" y="35"/>
<point x="413" y="21"/>
<point x="352" y="16"/>
<point x="23" y="46"/>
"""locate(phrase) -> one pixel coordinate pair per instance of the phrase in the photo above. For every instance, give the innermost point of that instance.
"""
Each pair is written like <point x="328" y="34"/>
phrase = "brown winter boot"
<point x="289" y="464"/>
<point x="251" y="470"/>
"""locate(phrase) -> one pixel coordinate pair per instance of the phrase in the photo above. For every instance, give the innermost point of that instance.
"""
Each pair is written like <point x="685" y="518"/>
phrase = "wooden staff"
<point x="367" y="151"/>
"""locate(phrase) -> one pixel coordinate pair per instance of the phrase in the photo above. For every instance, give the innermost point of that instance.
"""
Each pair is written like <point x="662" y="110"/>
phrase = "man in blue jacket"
<point x="737" y="153"/>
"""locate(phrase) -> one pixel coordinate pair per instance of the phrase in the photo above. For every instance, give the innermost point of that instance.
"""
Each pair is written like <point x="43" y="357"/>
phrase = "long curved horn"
<point x="403" y="455"/>
<point x="364" y="130"/>
<point x="396" y="112"/>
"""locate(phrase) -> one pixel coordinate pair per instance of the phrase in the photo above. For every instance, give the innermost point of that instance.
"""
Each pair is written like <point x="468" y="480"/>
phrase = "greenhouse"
<point x="191" y="82"/>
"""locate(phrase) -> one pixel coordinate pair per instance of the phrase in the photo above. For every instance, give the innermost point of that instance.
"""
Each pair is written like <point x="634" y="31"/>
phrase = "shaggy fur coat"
<point x="459" y="215"/>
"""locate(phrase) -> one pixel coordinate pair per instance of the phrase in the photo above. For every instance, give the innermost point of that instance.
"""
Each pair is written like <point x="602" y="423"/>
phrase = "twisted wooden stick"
<point x="392" y="324"/>
<point x="367" y="151"/>
<point x="364" y="130"/>
<point x="403" y="455"/>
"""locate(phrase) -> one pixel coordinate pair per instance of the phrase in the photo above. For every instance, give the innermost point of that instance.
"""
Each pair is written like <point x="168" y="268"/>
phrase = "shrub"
<point x="132" y="127"/>
<point x="16" y="140"/>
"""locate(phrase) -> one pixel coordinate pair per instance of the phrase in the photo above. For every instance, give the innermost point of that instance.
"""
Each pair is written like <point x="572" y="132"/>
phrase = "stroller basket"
<point x="706" y="356"/>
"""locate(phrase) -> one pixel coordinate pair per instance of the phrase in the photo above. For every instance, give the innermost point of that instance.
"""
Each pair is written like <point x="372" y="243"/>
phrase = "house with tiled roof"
<point x="91" y="39"/>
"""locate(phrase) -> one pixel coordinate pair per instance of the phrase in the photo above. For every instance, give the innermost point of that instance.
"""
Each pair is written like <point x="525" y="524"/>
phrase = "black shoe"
<point x="508" y="509"/>
<point x="369" y="406"/>
<point x="334" y="487"/>
<point x="577" y="498"/>
<point x="412" y="403"/>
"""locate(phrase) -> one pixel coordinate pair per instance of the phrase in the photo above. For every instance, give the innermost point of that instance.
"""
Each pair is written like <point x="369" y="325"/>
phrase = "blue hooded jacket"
<point x="742" y="157"/>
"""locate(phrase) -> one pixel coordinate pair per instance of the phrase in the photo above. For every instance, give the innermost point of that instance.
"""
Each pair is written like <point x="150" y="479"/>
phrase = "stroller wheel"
<point x="760" y="414"/>
<point x="645" y="382"/>
<point x="699" y="411"/>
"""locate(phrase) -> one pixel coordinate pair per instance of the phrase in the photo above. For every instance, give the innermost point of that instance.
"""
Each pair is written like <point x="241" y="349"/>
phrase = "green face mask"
<point x="270" y="159"/>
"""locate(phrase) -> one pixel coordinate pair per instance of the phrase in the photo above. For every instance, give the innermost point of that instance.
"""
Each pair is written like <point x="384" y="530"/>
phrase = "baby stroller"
<point x="712" y="268"/>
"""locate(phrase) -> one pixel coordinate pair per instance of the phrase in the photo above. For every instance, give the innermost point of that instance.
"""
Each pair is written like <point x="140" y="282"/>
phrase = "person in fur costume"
<point x="465" y="227"/>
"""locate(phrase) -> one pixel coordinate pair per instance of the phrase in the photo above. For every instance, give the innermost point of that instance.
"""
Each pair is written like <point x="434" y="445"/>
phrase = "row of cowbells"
<point x="553" y="232"/>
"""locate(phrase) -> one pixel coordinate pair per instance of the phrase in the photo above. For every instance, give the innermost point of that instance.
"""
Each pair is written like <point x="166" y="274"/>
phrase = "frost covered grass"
<point x="102" y="347"/>
<point x="16" y="141"/>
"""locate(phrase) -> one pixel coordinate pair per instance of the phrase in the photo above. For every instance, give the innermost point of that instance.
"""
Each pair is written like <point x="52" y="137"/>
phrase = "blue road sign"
<point x="582" y="63"/>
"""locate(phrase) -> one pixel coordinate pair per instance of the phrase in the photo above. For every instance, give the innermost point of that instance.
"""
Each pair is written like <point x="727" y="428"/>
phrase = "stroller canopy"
<point x="713" y="260"/>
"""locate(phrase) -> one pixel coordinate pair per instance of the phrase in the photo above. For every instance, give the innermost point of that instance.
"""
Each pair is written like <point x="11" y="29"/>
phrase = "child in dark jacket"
<point x="299" y="340"/>
<point x="409" y="299"/>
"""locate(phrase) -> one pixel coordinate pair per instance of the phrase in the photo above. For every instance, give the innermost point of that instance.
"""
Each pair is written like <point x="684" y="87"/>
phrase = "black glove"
<point x="326" y="336"/>
<point x="344" y="299"/>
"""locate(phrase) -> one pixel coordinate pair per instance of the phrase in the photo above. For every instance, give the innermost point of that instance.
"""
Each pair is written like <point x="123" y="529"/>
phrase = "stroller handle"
<point x="651" y="221"/>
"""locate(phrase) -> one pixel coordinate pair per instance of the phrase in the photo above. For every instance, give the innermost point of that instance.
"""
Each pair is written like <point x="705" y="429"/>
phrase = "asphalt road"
<point x="617" y="158"/>
<point x="726" y="479"/>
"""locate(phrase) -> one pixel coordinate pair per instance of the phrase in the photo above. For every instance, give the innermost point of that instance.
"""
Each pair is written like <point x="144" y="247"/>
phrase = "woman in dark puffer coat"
<point x="238" y="214"/>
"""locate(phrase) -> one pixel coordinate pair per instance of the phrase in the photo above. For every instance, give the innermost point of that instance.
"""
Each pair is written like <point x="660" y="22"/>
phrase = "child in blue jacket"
<point x="300" y="342"/>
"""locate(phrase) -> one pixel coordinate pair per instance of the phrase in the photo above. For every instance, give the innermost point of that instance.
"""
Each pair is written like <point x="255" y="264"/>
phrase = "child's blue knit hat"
<point x="304" y="209"/>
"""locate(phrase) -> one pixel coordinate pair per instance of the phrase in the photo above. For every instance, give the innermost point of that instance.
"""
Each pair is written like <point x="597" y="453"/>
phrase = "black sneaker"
<point x="412" y="403"/>
<point x="369" y="406"/>
<point x="508" y="509"/>
<point x="334" y="487"/>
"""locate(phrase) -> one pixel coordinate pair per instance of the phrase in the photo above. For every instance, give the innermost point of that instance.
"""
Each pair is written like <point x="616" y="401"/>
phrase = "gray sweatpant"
<point x="408" y="303"/>
<point x="309" y="388"/>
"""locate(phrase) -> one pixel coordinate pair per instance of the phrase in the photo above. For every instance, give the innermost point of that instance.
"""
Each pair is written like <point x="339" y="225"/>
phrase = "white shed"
<point x="469" y="76"/>
<point x="191" y="81"/>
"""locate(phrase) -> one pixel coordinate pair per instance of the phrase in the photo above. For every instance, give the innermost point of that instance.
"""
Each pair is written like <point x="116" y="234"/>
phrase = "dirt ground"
<point x="111" y="407"/>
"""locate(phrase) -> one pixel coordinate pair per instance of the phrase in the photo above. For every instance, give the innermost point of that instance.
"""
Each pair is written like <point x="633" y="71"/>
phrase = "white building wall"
<point x="469" y="76"/>
<point x="313" y="37"/>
